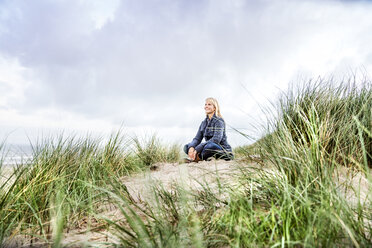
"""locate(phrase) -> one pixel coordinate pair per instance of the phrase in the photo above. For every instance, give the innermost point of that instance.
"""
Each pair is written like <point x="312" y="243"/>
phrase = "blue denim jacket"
<point x="213" y="130"/>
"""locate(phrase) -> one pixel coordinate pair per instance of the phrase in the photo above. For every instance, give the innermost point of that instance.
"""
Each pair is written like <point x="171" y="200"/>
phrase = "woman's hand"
<point x="192" y="153"/>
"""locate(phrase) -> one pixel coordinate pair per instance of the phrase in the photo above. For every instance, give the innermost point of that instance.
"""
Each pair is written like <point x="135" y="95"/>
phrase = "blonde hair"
<point x="215" y="104"/>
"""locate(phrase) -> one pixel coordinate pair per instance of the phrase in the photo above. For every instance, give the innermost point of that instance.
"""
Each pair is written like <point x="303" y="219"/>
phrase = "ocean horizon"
<point x="15" y="154"/>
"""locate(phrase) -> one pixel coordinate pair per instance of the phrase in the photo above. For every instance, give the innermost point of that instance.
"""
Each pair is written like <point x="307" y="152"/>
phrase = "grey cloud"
<point x="156" y="56"/>
<point x="136" y="59"/>
<point x="4" y="87"/>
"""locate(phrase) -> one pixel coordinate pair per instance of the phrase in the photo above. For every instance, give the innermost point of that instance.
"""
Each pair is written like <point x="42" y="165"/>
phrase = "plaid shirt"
<point x="212" y="130"/>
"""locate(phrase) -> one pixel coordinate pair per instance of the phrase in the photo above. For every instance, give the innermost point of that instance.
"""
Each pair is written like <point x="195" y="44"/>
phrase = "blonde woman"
<point x="213" y="130"/>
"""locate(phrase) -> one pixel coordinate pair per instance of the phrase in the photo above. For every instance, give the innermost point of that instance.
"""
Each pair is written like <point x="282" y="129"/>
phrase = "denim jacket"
<point x="213" y="130"/>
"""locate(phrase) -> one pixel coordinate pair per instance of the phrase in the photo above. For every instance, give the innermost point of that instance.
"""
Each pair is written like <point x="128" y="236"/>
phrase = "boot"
<point x="197" y="159"/>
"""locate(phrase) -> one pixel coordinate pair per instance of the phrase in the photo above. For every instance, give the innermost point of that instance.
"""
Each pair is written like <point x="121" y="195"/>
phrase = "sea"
<point x="13" y="155"/>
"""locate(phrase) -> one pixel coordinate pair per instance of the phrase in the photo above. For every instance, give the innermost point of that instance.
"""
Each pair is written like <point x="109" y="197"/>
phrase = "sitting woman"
<point x="213" y="130"/>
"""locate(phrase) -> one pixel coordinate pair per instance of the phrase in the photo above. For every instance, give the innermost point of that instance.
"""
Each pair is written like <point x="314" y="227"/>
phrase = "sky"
<point x="144" y="67"/>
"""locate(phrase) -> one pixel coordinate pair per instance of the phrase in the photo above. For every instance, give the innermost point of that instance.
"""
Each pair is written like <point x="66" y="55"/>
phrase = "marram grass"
<point x="57" y="188"/>
<point x="150" y="151"/>
<point x="295" y="198"/>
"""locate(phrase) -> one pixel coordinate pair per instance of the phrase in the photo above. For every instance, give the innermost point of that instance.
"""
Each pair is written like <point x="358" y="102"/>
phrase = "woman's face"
<point x="209" y="108"/>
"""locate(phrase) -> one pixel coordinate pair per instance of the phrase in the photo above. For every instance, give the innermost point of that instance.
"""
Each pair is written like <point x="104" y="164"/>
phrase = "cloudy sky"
<point x="93" y="66"/>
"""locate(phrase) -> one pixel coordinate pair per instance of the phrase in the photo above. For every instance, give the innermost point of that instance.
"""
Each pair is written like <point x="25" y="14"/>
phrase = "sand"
<point x="167" y="174"/>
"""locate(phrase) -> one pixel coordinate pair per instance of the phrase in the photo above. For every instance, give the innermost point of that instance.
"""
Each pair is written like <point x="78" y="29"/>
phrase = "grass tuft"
<point x="150" y="150"/>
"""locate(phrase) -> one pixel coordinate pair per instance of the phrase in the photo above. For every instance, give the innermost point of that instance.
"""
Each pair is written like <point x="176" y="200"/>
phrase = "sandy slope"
<point x="188" y="174"/>
<point x="167" y="174"/>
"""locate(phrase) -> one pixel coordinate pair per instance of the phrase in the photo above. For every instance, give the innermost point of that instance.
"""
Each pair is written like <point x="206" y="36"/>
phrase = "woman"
<point x="213" y="130"/>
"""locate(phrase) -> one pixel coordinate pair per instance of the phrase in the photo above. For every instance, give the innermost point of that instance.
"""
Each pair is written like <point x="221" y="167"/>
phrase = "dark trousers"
<point x="211" y="149"/>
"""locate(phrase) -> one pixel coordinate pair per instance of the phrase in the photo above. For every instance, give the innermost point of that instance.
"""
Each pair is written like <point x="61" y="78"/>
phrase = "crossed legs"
<point x="211" y="149"/>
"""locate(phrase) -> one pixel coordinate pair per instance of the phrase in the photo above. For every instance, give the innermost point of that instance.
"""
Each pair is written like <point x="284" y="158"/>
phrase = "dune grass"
<point x="150" y="150"/>
<point x="296" y="199"/>
<point x="57" y="189"/>
<point x="303" y="193"/>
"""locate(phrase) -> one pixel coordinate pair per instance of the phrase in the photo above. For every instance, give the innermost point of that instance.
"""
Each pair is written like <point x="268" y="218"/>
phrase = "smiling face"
<point x="209" y="108"/>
